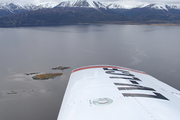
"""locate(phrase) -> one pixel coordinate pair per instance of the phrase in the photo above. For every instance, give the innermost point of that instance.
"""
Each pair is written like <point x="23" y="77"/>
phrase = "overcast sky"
<point x="58" y="1"/>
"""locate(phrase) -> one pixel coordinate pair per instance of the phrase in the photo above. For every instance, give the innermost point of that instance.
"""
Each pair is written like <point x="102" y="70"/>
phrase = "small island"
<point x="32" y="73"/>
<point x="12" y="92"/>
<point x="46" y="76"/>
<point x="60" y="68"/>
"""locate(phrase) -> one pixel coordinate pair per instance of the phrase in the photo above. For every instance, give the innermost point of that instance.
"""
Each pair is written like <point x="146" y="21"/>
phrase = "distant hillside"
<point x="54" y="16"/>
<point x="86" y="11"/>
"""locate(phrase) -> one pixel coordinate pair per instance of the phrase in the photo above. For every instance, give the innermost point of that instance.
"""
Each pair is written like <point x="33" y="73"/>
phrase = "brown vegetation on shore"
<point x="46" y="76"/>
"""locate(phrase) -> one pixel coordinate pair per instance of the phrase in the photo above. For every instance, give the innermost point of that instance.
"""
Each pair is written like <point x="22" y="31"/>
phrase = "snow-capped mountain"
<point x="157" y="6"/>
<point x="82" y="4"/>
<point x="96" y="4"/>
<point x="29" y="7"/>
<point x="46" y="5"/>
<point x="87" y="4"/>
<point x="124" y="4"/>
<point x="174" y="7"/>
<point x="12" y="8"/>
<point x="16" y="8"/>
<point x="116" y="6"/>
<point x="160" y="6"/>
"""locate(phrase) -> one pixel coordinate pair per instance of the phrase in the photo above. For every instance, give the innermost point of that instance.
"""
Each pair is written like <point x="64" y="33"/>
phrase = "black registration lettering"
<point x="133" y="87"/>
<point x="112" y="72"/>
<point x="157" y="95"/>
<point x="120" y="72"/>
<point x="126" y="78"/>
<point x="134" y="82"/>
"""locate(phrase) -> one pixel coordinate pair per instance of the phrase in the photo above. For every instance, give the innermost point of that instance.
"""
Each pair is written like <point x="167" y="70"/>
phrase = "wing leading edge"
<point x="111" y="92"/>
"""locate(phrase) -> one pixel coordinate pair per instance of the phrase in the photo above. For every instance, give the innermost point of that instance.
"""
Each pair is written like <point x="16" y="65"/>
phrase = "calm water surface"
<point x="153" y="49"/>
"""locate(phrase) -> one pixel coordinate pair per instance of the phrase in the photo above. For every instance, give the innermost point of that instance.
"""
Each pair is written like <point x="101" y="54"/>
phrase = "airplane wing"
<point x="107" y="92"/>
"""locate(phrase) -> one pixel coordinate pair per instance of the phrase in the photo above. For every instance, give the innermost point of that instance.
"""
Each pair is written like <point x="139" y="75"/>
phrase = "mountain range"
<point x="86" y="11"/>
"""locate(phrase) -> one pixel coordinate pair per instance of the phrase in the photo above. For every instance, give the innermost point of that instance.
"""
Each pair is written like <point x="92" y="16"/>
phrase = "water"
<point x="153" y="49"/>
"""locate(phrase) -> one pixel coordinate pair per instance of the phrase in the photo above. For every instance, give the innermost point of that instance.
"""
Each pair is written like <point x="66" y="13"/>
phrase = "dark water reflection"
<point x="153" y="49"/>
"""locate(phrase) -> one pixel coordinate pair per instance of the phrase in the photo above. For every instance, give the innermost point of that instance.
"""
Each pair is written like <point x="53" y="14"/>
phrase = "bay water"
<point x="150" y="48"/>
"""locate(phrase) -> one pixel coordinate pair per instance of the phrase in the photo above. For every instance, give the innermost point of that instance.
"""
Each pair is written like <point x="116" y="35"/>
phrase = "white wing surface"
<point x="107" y="92"/>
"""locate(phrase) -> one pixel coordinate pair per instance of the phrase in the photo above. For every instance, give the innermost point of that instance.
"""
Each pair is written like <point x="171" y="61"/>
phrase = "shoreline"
<point x="107" y="22"/>
<point x="143" y="23"/>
